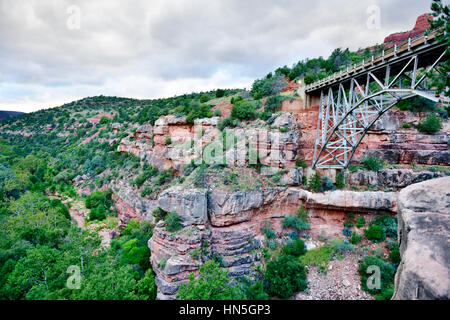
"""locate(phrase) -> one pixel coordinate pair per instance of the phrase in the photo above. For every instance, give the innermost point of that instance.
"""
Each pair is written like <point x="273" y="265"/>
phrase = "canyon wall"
<point x="424" y="228"/>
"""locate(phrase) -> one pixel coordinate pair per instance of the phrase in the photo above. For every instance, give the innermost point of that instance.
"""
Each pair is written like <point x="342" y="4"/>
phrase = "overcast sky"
<point x="57" y="51"/>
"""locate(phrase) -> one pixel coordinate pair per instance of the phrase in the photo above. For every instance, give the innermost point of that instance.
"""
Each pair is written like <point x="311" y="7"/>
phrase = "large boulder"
<point x="424" y="228"/>
<point x="374" y="201"/>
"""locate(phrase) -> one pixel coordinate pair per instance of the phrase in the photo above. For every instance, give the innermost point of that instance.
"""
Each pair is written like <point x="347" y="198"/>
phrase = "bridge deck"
<point x="425" y="46"/>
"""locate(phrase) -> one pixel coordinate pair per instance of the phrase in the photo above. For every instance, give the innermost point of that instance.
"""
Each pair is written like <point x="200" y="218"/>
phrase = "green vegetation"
<point x="173" y="222"/>
<point x="318" y="257"/>
<point x="212" y="284"/>
<point x="315" y="182"/>
<point x="387" y="273"/>
<point x="431" y="124"/>
<point x="243" y="110"/>
<point x="284" y="277"/>
<point x="372" y="163"/>
<point x="382" y="228"/>
<point x="295" y="248"/>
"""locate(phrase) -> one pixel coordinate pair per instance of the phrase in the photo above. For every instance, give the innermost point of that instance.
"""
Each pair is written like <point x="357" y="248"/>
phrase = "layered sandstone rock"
<point x="191" y="205"/>
<point x="232" y="228"/>
<point x="424" y="228"/>
<point x="397" y="178"/>
<point x="422" y="24"/>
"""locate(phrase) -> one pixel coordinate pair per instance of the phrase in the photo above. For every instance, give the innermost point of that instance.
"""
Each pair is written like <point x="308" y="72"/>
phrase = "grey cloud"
<point x="156" y="48"/>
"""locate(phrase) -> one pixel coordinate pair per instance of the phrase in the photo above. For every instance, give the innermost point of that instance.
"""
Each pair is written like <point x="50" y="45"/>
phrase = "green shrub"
<point x="416" y="104"/>
<point x="295" y="248"/>
<point x="217" y="113"/>
<point x="104" y="120"/>
<point x="300" y="163"/>
<point x="295" y="223"/>
<point x="341" y="246"/>
<point x="159" y="214"/>
<point x="168" y="141"/>
<point x="360" y="222"/>
<point x="273" y="104"/>
<point x="213" y="283"/>
<point x="318" y="257"/>
<point x="327" y="184"/>
<point x="204" y="98"/>
<point x="98" y="213"/>
<point x="394" y="254"/>
<point x="431" y="124"/>
<point x="388" y="226"/>
<point x="220" y="93"/>
<point x="340" y="182"/>
<point x="147" y="287"/>
<point x="268" y="86"/>
<point x="285" y="277"/>
<point x="198" y="112"/>
<point x="244" y="110"/>
<point x="315" y="182"/>
<point x="387" y="277"/>
<point x="372" y="163"/>
<point x="98" y="197"/>
<point x="375" y="233"/>
<point x="173" y="222"/>
<point x="268" y="232"/>
<point x="355" y="238"/>
<point x="406" y="125"/>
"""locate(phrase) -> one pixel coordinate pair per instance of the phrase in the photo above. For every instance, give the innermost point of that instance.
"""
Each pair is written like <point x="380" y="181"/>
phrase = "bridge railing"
<point x="393" y="51"/>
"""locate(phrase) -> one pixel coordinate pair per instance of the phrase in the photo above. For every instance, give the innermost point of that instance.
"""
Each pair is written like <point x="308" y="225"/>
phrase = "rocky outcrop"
<point x="424" y="228"/>
<point x="129" y="205"/>
<point x="422" y="24"/>
<point x="172" y="256"/>
<point x="191" y="205"/>
<point x="396" y="178"/>
<point x="231" y="228"/>
<point x="374" y="201"/>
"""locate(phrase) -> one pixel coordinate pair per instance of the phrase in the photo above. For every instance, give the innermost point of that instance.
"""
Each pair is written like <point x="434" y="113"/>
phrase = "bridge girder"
<point x="349" y="108"/>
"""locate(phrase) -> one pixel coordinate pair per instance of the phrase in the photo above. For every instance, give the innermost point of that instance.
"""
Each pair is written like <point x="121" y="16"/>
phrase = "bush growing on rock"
<point x="244" y="110"/>
<point x="173" y="222"/>
<point x="394" y="255"/>
<point x="431" y="124"/>
<point x="360" y="222"/>
<point x="372" y="163"/>
<point x="285" y="277"/>
<point x="315" y="182"/>
<point x="300" y="163"/>
<point x="295" y="222"/>
<point x="341" y="246"/>
<point x="159" y="214"/>
<point x="273" y="104"/>
<point x="268" y="232"/>
<point x="295" y="248"/>
<point x="340" y="182"/>
<point x="213" y="283"/>
<point x="327" y="184"/>
<point x="374" y="233"/>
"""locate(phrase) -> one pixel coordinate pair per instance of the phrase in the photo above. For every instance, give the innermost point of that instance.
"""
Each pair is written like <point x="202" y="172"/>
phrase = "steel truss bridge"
<point x="352" y="100"/>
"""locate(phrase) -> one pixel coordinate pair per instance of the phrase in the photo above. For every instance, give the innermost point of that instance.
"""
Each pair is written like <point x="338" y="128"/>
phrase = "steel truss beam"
<point x="348" y="109"/>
